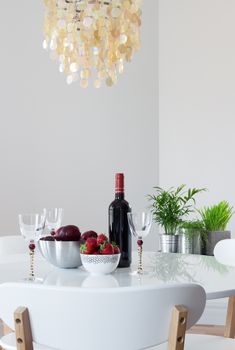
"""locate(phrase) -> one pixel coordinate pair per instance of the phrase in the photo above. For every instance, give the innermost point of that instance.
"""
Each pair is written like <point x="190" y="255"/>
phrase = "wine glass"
<point x="31" y="227"/>
<point x="53" y="218"/>
<point x="140" y="224"/>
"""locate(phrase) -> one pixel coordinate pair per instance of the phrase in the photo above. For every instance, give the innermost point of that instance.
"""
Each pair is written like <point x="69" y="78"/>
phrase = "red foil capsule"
<point x="119" y="183"/>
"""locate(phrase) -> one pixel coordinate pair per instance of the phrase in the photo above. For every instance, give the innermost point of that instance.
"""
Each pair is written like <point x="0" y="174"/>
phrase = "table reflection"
<point x="162" y="268"/>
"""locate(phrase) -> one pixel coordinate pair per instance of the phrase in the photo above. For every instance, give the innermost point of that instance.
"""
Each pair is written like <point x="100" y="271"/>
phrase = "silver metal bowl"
<point x="63" y="254"/>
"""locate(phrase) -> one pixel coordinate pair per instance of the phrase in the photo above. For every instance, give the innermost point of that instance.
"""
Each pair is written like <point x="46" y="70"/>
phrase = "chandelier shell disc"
<point x="92" y="38"/>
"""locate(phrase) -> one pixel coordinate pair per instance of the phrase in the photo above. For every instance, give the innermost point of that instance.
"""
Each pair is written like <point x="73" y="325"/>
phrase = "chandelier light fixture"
<point x="92" y="38"/>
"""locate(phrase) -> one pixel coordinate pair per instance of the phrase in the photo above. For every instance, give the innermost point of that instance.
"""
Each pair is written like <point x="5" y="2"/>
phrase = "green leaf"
<point x="216" y="217"/>
<point x="170" y="206"/>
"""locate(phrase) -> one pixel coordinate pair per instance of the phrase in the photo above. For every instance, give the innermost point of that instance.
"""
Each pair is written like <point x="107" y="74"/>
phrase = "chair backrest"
<point x="224" y="252"/>
<point x="126" y="318"/>
<point x="12" y="245"/>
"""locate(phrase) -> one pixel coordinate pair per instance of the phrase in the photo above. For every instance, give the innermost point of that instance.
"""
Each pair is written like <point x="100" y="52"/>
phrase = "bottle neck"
<point x="119" y="195"/>
<point x="119" y="186"/>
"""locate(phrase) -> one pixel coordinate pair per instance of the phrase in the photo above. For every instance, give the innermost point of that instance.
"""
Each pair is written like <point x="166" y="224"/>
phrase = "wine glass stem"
<point x="31" y="255"/>
<point x="140" y="265"/>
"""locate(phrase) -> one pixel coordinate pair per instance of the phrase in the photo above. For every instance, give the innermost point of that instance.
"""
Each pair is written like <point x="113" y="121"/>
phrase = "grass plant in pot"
<point x="215" y="219"/>
<point x="191" y="237"/>
<point x="169" y="208"/>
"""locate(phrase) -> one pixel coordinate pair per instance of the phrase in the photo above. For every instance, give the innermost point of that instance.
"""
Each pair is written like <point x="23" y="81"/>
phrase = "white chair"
<point x="12" y="245"/>
<point x="99" y="319"/>
<point x="224" y="252"/>
<point x="9" y="245"/>
<point x="104" y="319"/>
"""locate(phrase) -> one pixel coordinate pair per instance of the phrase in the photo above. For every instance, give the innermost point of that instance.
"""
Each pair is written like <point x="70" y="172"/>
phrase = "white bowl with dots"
<point x="100" y="264"/>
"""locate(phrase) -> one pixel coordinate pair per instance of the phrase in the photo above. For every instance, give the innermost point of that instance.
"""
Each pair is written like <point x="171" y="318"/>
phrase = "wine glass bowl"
<point x="31" y="228"/>
<point x="53" y="218"/>
<point x="140" y="224"/>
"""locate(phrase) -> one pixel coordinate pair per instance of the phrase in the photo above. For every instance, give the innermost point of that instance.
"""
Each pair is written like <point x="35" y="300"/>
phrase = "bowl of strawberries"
<point x="99" y="256"/>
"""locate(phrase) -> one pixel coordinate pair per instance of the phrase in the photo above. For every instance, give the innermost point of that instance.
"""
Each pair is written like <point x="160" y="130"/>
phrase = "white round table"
<point x="218" y="280"/>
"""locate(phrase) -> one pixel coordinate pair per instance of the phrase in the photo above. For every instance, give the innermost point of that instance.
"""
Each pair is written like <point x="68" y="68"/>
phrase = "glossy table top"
<point x="218" y="280"/>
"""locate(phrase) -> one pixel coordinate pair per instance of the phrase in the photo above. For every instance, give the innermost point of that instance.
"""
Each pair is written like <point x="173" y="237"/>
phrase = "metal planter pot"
<point x="213" y="238"/>
<point x="169" y="243"/>
<point x="189" y="244"/>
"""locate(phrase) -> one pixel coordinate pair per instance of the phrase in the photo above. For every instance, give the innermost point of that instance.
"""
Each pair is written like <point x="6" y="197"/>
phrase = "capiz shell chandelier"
<point x="92" y="37"/>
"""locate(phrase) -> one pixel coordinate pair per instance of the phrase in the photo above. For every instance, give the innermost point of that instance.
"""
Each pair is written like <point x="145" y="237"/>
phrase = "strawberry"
<point x="89" y="247"/>
<point x="116" y="250"/>
<point x="106" y="248"/>
<point x="101" y="239"/>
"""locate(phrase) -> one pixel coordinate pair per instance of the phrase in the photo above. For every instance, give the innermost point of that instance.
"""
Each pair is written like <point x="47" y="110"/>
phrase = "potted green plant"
<point x="215" y="219"/>
<point x="191" y="237"/>
<point x="169" y="208"/>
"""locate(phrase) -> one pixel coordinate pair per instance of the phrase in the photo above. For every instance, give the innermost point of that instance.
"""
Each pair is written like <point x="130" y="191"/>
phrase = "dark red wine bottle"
<point x="119" y="231"/>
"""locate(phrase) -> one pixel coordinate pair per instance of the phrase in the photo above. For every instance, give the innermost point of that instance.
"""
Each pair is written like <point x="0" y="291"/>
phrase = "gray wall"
<point x="61" y="145"/>
<point x="197" y="96"/>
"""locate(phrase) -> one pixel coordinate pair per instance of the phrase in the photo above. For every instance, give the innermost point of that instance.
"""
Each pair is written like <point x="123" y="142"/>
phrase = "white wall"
<point x="61" y="145"/>
<point x="197" y="96"/>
